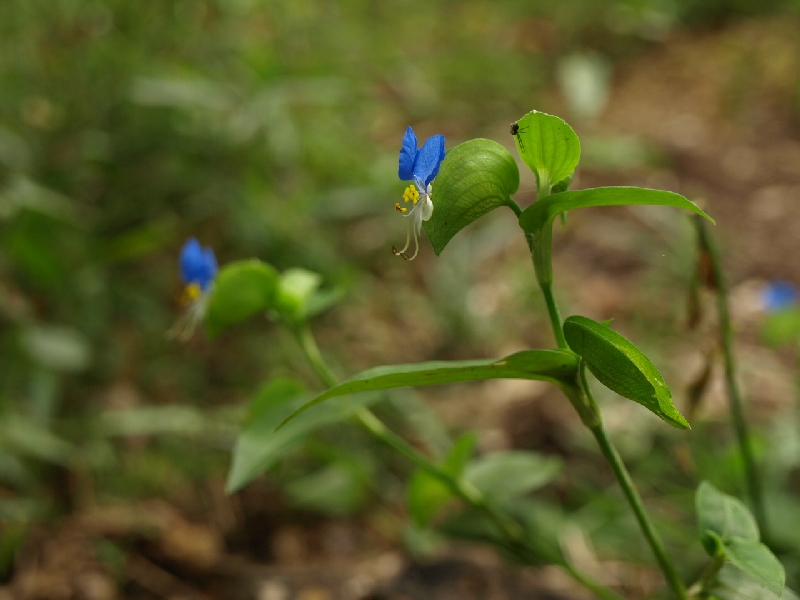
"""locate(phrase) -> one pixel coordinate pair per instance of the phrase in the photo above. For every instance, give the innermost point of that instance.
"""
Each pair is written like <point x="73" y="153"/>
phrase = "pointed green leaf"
<point x="752" y="558"/>
<point x="334" y="490"/>
<point x="546" y="365"/>
<point x="622" y="367"/>
<point x="543" y="212"/>
<point x="725" y="515"/>
<point x="475" y="178"/>
<point x="755" y="559"/>
<point x="25" y="437"/>
<point x="504" y="476"/>
<point x="426" y="494"/>
<point x="241" y="290"/>
<point x="259" y="446"/>
<point x="733" y="584"/>
<point x="548" y="146"/>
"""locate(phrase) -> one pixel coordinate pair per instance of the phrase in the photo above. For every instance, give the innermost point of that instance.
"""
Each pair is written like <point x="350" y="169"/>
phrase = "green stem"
<point x="734" y="395"/>
<point x="511" y="530"/>
<point x="540" y="245"/>
<point x="702" y="588"/>
<point x="309" y="345"/>
<point x="512" y="204"/>
<point x="555" y="315"/>
<point x="649" y="531"/>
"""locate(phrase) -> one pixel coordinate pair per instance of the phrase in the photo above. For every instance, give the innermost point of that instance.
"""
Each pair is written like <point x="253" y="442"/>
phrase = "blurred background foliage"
<point x="270" y="128"/>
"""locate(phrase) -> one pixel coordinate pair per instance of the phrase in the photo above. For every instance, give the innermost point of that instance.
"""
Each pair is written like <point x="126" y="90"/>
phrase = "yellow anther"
<point x="191" y="293"/>
<point x="411" y="194"/>
<point x="399" y="208"/>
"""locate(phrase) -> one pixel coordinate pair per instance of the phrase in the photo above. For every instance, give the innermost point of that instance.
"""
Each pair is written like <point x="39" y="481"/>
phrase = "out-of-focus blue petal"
<point x="429" y="158"/>
<point x="408" y="154"/>
<point x="778" y="295"/>
<point x="197" y="264"/>
<point x="191" y="256"/>
<point x="211" y="267"/>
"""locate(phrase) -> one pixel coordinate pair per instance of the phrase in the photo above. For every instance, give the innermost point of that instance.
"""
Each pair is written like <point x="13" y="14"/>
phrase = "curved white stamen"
<point x="421" y="211"/>
<point x="192" y="315"/>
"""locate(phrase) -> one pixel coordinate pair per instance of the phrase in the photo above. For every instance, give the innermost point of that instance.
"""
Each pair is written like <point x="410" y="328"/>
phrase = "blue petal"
<point x="197" y="265"/>
<point x="408" y="154"/>
<point x="210" y="269"/>
<point x="191" y="256"/>
<point x="429" y="158"/>
<point x="441" y="158"/>
<point x="778" y="295"/>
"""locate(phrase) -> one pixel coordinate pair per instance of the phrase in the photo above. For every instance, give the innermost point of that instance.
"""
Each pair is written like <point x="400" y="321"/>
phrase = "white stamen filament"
<point x="192" y="315"/>
<point x="421" y="211"/>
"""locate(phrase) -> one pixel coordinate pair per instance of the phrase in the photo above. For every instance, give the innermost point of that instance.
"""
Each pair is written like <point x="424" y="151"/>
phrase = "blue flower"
<point x="778" y="295"/>
<point x="198" y="268"/>
<point x="420" y="166"/>
<point x="198" y="265"/>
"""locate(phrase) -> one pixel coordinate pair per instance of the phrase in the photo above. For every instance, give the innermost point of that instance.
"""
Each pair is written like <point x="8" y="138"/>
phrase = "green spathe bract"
<point x="556" y="366"/>
<point x="475" y="178"/>
<point x="242" y="289"/>
<point x="548" y="146"/>
<point x="296" y="287"/>
<point x="622" y="367"/>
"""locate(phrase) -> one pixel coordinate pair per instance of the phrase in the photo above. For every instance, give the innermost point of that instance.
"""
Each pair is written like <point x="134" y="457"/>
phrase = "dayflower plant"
<point x="479" y="176"/>
<point x="420" y="166"/>
<point x="198" y="268"/>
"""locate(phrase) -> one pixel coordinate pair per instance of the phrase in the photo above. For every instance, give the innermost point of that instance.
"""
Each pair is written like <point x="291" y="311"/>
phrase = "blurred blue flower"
<point x="778" y="295"/>
<point x="198" y="264"/>
<point x="420" y="166"/>
<point x="198" y="268"/>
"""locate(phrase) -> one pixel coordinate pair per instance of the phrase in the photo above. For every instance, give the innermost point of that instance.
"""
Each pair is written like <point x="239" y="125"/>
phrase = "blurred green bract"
<point x="242" y="289"/>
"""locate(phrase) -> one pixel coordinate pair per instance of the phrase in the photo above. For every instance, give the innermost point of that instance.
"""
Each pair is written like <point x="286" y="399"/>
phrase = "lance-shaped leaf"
<point x="241" y="290"/>
<point x="259" y="446"/>
<point x="543" y="212"/>
<point x="505" y="476"/>
<point x="557" y="366"/>
<point x="537" y="220"/>
<point x="475" y="178"/>
<point x="622" y="367"/>
<point x="548" y="146"/>
<point x="426" y="494"/>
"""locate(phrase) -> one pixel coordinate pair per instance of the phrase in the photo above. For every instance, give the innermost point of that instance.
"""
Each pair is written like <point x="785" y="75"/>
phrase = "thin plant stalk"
<point x="743" y="438"/>
<point x="649" y="531"/>
<point x="518" y="543"/>
<point x="544" y="270"/>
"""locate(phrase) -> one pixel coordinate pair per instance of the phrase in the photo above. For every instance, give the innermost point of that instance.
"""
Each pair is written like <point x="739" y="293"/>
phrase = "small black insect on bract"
<point x="515" y="131"/>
